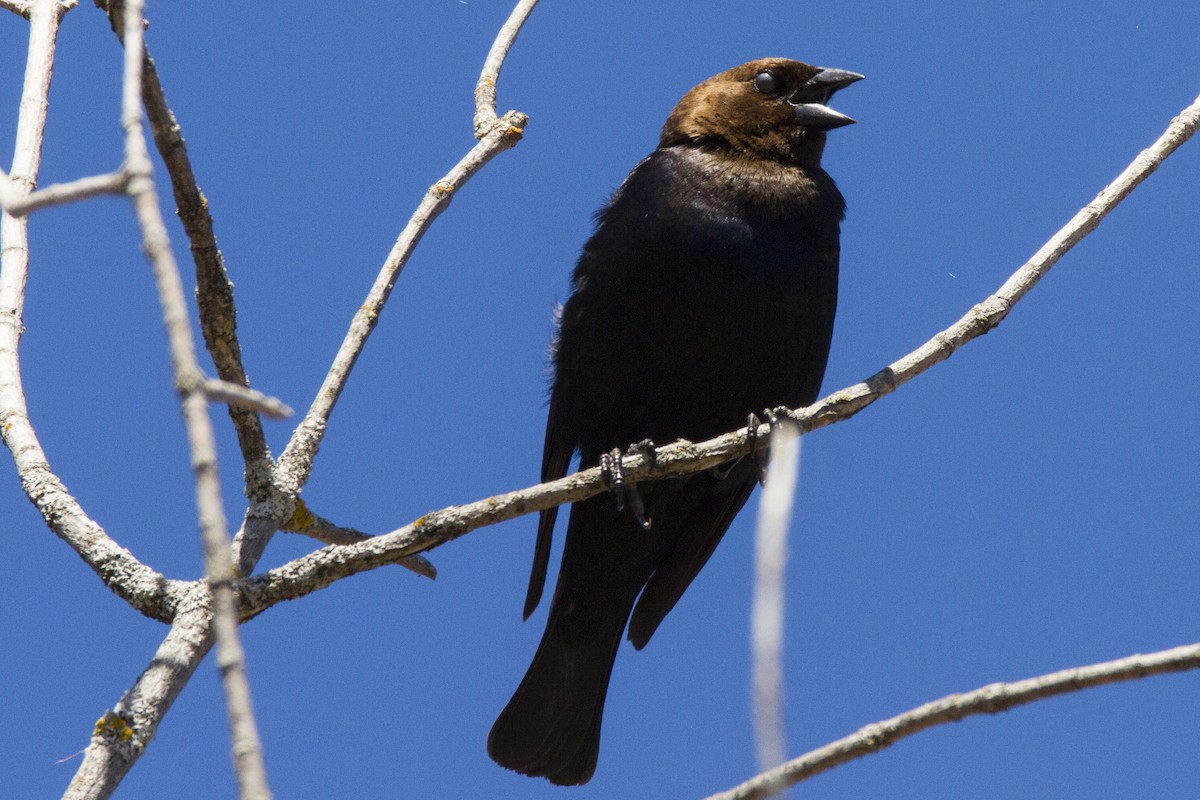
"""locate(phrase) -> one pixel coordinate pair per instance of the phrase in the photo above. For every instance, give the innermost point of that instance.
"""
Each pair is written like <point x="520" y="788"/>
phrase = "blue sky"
<point x="1027" y="506"/>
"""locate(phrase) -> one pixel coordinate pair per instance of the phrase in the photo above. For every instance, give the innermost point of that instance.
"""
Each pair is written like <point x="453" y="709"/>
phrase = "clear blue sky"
<point x="1027" y="506"/>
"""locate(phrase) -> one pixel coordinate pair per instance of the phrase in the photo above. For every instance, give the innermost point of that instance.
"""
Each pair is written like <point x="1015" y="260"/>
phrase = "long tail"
<point x="551" y="726"/>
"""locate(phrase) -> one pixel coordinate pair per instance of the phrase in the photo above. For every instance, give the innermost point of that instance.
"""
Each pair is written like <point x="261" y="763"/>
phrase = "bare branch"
<point x="58" y="194"/>
<point x="233" y="394"/>
<point x="306" y="523"/>
<point x="314" y="571"/>
<point x="19" y="7"/>
<point x="214" y="290"/>
<point x="990" y="699"/>
<point x="295" y="464"/>
<point x="122" y="734"/>
<point x="247" y="749"/>
<point x="485" y="89"/>
<point x="142" y="587"/>
<point x="988" y="314"/>
<point x="109" y="755"/>
<point x="35" y="95"/>
<point x="311" y="572"/>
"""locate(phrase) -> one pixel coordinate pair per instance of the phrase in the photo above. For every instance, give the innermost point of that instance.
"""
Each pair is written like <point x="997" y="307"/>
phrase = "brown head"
<point x="770" y="108"/>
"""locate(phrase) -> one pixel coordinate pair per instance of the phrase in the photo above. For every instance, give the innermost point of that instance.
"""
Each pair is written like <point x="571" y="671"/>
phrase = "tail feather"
<point x="551" y="726"/>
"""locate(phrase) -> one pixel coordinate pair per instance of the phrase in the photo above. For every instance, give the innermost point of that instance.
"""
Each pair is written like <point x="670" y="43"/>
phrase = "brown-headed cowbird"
<point x="706" y="293"/>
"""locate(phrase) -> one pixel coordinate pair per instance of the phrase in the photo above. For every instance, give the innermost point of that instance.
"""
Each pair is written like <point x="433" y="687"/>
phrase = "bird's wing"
<point x="556" y="458"/>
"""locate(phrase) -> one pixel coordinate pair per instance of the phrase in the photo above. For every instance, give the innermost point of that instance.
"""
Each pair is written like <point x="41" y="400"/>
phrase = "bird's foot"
<point x="614" y="476"/>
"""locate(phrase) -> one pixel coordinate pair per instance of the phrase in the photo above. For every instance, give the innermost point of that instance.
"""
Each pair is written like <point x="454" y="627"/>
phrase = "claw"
<point x="637" y="507"/>
<point x="614" y="476"/>
<point x="625" y="493"/>
<point x="752" y="423"/>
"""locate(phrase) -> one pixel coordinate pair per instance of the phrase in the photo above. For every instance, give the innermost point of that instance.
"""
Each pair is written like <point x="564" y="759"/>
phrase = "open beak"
<point x="819" y="115"/>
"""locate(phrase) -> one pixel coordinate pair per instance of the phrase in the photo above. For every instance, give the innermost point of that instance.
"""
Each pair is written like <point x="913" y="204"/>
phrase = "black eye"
<point x="766" y="83"/>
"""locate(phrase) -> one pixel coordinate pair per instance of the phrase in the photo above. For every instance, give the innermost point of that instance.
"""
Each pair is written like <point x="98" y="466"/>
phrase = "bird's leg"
<point x="614" y="476"/>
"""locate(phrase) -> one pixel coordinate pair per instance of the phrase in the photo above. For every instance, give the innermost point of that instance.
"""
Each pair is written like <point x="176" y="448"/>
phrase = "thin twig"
<point x="990" y="699"/>
<point x="485" y="88"/>
<point x="214" y="289"/>
<point x="35" y="95"/>
<point x="247" y="748"/>
<point x="295" y="464"/>
<point x="235" y="395"/>
<point x="315" y="570"/>
<point x="19" y="7"/>
<point x="766" y="617"/>
<point x="306" y="523"/>
<point x="988" y="314"/>
<point x="57" y="194"/>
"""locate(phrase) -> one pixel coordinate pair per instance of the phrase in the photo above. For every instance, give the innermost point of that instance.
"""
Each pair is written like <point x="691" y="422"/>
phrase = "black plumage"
<point x="707" y="292"/>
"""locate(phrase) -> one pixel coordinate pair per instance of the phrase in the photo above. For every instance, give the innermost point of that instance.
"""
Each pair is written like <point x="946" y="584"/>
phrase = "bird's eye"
<point x="766" y="83"/>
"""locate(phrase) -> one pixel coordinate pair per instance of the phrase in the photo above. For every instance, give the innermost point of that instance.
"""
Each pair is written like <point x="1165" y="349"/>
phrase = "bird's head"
<point x="770" y="108"/>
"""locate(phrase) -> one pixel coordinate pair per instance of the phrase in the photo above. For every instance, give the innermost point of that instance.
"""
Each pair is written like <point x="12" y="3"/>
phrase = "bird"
<point x="707" y="292"/>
